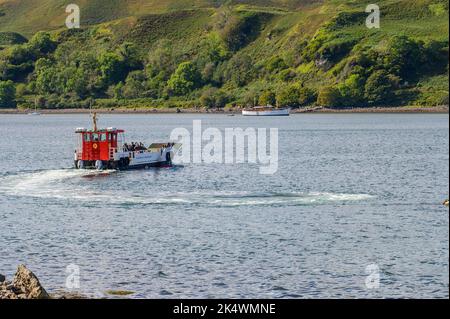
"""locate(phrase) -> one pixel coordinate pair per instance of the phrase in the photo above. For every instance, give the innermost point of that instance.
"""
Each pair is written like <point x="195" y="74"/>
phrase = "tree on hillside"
<point x="306" y="96"/>
<point x="267" y="98"/>
<point x="239" y="70"/>
<point x="211" y="53"/>
<point x="42" y="43"/>
<point x="19" y="54"/>
<point x="47" y="81"/>
<point x="131" y="57"/>
<point x="221" y="99"/>
<point x="155" y="86"/>
<point x="76" y="82"/>
<point x="404" y="57"/>
<point x="251" y="97"/>
<point x="289" y="96"/>
<point x="184" y="79"/>
<point x="329" y="96"/>
<point x="116" y="91"/>
<point x="16" y="62"/>
<point x="207" y="99"/>
<point x="275" y="64"/>
<point x="352" y="90"/>
<point x="161" y="61"/>
<point x="134" y="85"/>
<point x="111" y="68"/>
<point x="436" y="57"/>
<point x="295" y="95"/>
<point x="379" y="87"/>
<point x="213" y="98"/>
<point x="7" y="94"/>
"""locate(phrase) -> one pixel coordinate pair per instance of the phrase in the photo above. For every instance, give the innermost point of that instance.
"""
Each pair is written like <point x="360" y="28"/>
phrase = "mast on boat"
<point x="94" y="121"/>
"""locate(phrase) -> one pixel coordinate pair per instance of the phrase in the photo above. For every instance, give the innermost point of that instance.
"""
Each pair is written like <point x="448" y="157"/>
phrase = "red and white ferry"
<point x="106" y="149"/>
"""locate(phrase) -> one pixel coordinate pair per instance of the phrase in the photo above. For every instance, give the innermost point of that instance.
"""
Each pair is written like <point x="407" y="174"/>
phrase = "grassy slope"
<point x="29" y="16"/>
<point x="290" y="21"/>
<point x="410" y="17"/>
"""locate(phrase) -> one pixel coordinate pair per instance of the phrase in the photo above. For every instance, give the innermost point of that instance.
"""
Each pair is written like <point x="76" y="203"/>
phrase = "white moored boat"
<point x="266" y="111"/>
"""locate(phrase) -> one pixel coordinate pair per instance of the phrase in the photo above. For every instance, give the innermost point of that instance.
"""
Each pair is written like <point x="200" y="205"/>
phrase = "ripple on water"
<point x="70" y="184"/>
<point x="351" y="191"/>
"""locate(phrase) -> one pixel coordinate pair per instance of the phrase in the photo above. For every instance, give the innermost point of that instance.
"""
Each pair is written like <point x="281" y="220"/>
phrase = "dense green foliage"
<point x="7" y="94"/>
<point x="268" y="54"/>
<point x="9" y="38"/>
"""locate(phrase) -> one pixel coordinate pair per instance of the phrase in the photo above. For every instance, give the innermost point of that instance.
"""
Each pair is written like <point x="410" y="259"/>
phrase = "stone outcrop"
<point x="67" y="295"/>
<point x="25" y="285"/>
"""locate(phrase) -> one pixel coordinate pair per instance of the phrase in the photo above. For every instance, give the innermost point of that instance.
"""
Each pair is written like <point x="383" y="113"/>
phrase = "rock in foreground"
<point x="25" y="285"/>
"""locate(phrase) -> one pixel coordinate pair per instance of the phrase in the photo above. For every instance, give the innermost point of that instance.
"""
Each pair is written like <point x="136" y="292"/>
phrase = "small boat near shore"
<point x="266" y="111"/>
<point x="106" y="149"/>
<point x="35" y="113"/>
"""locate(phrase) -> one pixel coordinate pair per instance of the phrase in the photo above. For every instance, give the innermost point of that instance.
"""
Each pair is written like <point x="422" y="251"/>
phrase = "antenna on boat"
<point x="94" y="116"/>
<point x="94" y="120"/>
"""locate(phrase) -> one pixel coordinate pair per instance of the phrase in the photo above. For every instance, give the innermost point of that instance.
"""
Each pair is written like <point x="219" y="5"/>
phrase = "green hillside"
<point x="30" y="16"/>
<point x="148" y="53"/>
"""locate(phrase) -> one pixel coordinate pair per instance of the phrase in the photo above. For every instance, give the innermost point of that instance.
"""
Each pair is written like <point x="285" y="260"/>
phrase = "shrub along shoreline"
<point x="236" y="56"/>
<point x="384" y="109"/>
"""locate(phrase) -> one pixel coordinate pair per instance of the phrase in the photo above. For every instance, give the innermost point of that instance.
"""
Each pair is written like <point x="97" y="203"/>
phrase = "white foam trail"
<point x="342" y="197"/>
<point x="44" y="183"/>
<point x="63" y="185"/>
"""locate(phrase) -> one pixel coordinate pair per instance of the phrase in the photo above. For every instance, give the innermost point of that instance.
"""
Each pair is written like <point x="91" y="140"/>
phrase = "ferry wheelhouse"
<point x="106" y="149"/>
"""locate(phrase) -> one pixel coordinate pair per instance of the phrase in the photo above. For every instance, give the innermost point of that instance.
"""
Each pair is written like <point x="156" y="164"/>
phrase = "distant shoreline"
<point x="402" y="109"/>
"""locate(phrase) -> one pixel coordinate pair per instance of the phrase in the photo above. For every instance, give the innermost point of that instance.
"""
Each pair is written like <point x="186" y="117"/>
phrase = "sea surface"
<point x="354" y="210"/>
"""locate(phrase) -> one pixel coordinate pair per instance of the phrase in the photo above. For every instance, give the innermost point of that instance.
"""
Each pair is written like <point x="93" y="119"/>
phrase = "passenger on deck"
<point x="140" y="147"/>
<point x="134" y="147"/>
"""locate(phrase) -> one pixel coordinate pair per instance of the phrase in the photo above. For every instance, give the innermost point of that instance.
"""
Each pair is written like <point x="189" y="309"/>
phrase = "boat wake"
<point x="47" y="183"/>
<point x="71" y="185"/>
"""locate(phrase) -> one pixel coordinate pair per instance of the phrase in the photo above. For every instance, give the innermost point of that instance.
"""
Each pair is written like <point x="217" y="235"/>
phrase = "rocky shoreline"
<point x="25" y="285"/>
<point x="402" y="109"/>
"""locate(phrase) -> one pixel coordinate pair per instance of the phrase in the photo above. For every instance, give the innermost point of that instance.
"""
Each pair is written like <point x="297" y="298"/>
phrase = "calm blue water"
<point x="351" y="190"/>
